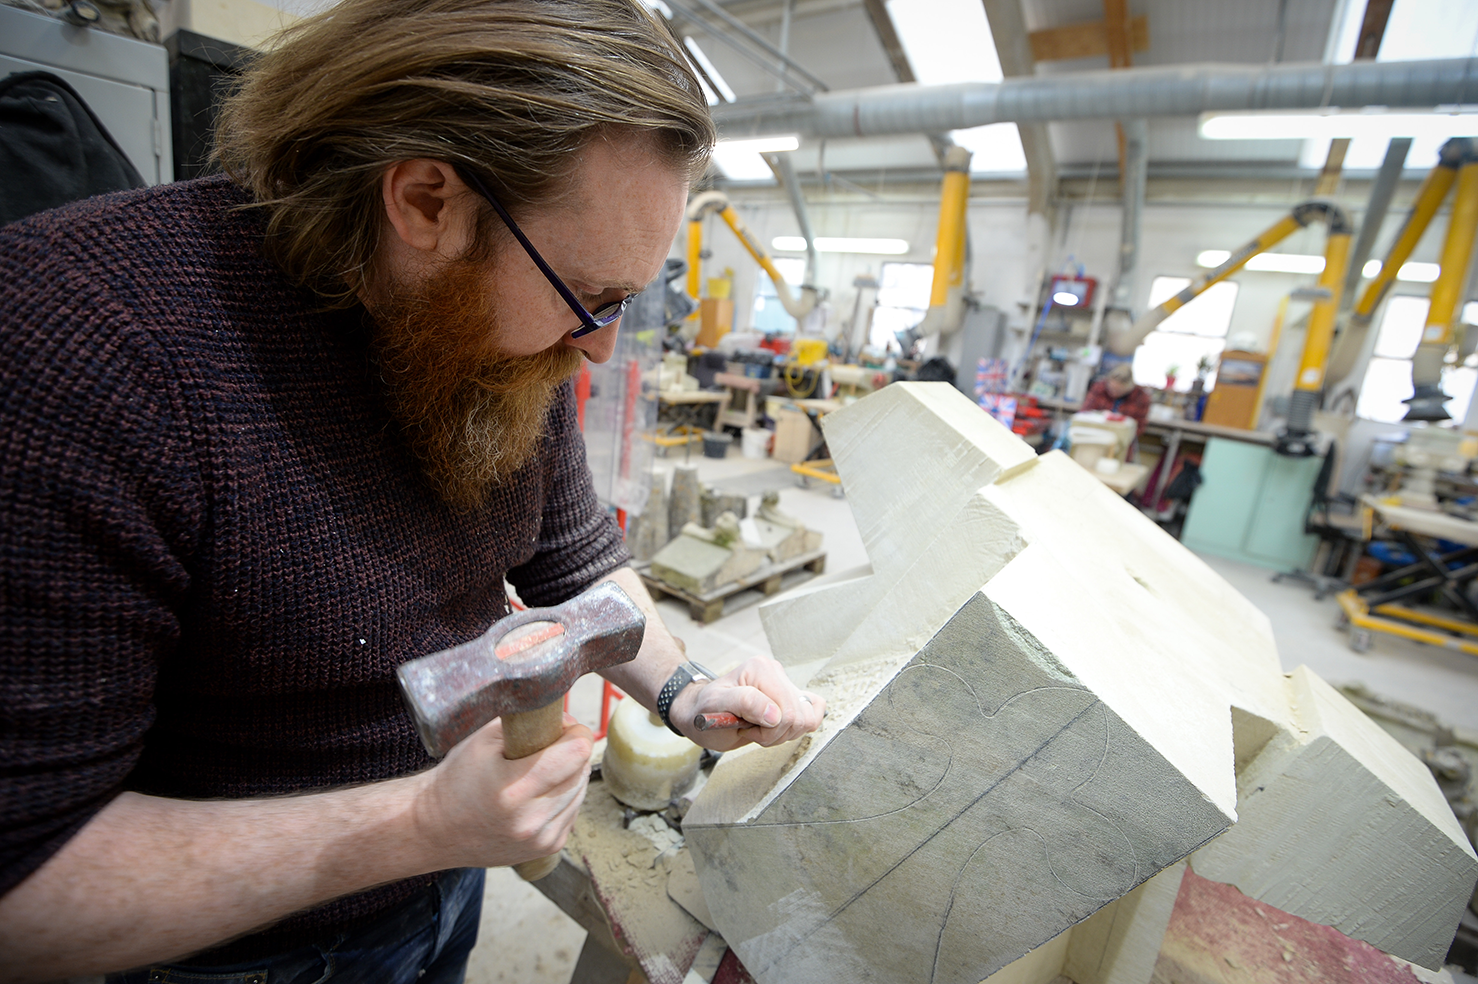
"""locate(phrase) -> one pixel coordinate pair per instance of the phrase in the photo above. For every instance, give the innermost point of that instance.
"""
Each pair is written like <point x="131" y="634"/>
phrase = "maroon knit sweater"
<point x="215" y="547"/>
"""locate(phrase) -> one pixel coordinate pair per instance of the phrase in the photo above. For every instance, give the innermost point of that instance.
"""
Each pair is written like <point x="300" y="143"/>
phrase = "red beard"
<point x="472" y="417"/>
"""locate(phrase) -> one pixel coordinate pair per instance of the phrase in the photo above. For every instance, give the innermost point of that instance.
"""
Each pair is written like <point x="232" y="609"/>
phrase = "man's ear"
<point x="419" y="198"/>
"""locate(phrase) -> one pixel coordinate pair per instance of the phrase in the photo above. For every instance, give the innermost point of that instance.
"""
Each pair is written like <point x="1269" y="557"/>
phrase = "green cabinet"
<point x="1251" y="505"/>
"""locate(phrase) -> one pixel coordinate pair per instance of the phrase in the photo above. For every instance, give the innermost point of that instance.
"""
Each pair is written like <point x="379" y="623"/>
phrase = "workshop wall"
<point x="1172" y="235"/>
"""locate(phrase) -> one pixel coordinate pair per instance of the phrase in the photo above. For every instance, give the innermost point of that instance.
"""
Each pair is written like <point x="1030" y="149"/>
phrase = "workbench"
<point x="1375" y="606"/>
<point x="1174" y="433"/>
<point x="685" y="406"/>
<point x="636" y="894"/>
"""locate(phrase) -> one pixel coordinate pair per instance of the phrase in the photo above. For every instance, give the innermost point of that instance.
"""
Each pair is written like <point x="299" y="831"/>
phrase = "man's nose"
<point x="598" y="346"/>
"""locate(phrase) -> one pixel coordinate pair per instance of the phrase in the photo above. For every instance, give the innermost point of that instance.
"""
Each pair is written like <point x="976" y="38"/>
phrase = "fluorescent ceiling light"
<point x="1416" y="29"/>
<point x="824" y="244"/>
<point x="1420" y="273"/>
<point x="1266" y="262"/>
<point x="761" y="145"/>
<point x="1325" y="126"/>
<point x="708" y="68"/>
<point x="962" y="52"/>
<point x="740" y="160"/>
<point x="1065" y="299"/>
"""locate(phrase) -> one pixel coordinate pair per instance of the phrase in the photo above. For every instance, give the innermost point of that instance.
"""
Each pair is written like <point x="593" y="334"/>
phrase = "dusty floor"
<point x="527" y="939"/>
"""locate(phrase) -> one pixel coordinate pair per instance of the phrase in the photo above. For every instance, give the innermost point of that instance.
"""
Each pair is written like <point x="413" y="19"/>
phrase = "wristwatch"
<point x="689" y="672"/>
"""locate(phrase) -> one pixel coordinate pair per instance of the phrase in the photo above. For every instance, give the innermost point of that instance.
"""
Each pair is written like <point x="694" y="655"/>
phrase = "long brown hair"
<point x="511" y="88"/>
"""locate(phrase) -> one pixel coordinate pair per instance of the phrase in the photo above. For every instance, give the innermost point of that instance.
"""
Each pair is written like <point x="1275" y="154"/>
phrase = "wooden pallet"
<point x="768" y="580"/>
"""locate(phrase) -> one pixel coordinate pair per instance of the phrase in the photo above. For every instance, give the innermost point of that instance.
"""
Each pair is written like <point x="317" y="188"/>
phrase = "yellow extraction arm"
<point x="1427" y="398"/>
<point x="1298" y="438"/>
<point x="947" y="293"/>
<point x="1429" y="198"/>
<point x="710" y="201"/>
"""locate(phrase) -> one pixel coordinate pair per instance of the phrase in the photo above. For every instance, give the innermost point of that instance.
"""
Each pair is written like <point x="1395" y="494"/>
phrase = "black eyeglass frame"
<point x="590" y="321"/>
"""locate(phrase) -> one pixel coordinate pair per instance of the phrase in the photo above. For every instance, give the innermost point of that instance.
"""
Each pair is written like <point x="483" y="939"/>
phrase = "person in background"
<point x="1116" y="392"/>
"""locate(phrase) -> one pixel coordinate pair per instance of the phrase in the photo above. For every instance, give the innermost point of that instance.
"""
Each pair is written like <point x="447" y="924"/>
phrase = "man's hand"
<point x="756" y="691"/>
<point x="140" y="882"/>
<point x="488" y="811"/>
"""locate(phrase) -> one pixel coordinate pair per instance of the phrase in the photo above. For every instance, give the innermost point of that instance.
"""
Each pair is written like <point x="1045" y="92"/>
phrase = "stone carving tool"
<point x="519" y="670"/>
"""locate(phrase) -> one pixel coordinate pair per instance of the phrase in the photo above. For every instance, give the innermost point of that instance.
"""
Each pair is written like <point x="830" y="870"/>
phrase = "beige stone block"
<point x="1002" y="588"/>
<point x="1342" y="826"/>
<point x="981" y="801"/>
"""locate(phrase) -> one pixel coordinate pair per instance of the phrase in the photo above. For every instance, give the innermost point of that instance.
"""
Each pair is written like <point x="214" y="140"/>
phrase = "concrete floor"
<point x="527" y="939"/>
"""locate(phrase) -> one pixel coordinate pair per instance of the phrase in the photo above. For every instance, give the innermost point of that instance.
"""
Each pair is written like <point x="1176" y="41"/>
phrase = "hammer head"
<point x="522" y="663"/>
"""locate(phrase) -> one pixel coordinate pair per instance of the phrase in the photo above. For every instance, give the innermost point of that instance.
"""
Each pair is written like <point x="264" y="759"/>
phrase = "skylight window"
<point x="949" y="41"/>
<point x="1417" y="29"/>
<point x="706" y="68"/>
<point x="741" y="160"/>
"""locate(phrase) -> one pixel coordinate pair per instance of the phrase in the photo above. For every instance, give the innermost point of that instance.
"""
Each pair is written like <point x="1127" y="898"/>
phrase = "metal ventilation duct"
<point x="1123" y="94"/>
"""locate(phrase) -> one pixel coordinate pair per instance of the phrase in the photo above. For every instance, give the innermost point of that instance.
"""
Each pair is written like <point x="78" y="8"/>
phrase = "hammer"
<point x="518" y="670"/>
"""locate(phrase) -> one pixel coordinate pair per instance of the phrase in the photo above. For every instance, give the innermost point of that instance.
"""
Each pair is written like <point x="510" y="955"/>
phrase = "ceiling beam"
<point x="1116" y="36"/>
<point x="1084" y="40"/>
<point x="882" y="25"/>
<point x="1372" y="30"/>
<point x="1014" y="49"/>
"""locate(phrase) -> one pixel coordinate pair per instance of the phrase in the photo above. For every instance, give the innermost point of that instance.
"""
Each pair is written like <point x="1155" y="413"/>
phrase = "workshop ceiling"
<point x="838" y="42"/>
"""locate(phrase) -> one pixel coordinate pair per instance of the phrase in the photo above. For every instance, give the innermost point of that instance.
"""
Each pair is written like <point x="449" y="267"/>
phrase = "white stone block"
<point x="1343" y="826"/>
<point x="951" y="816"/>
<point x="979" y="804"/>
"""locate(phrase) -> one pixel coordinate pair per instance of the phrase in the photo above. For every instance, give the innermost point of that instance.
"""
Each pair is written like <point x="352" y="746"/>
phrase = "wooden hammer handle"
<point x="524" y="734"/>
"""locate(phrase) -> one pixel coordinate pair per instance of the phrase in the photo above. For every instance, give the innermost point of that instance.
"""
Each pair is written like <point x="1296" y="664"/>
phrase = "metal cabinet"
<point x="124" y="81"/>
<point x="1251" y="506"/>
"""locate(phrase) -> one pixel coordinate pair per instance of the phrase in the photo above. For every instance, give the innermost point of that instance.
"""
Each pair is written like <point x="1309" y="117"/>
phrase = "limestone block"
<point x="1342" y="826"/>
<point x="698" y="565"/>
<point x="713" y="504"/>
<point x="647" y="532"/>
<point x="684" y="504"/>
<point x="866" y="838"/>
<point x="980" y="801"/>
<point x="1120" y="943"/>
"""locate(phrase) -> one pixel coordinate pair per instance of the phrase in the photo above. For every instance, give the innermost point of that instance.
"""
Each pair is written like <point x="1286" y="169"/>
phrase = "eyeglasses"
<point x="589" y="320"/>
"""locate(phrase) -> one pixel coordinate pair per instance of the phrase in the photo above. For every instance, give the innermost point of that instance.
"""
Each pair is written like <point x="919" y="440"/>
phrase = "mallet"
<point x="519" y="670"/>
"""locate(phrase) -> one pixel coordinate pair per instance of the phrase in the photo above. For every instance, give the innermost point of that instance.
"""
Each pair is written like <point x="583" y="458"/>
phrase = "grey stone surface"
<point x="714" y="504"/>
<point x="980" y="804"/>
<point x="684" y="502"/>
<point x="648" y="532"/>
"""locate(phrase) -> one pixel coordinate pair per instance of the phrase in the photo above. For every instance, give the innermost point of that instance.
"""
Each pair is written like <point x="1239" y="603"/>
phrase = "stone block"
<point x="977" y="805"/>
<point x="1342" y="826"/>
<point x="950" y="820"/>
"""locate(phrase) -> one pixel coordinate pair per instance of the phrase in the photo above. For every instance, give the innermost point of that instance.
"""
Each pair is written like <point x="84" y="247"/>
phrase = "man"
<point x="1117" y="393"/>
<point x="268" y="438"/>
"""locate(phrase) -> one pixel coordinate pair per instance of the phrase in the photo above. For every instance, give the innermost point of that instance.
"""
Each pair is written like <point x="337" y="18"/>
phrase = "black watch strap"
<point x="681" y="677"/>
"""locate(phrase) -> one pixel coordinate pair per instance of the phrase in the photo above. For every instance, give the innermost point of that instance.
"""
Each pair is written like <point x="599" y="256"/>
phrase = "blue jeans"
<point x="425" y="940"/>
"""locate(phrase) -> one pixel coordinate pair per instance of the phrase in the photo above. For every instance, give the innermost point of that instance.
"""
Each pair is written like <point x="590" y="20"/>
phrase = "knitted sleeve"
<point x="99" y="498"/>
<point x="579" y="540"/>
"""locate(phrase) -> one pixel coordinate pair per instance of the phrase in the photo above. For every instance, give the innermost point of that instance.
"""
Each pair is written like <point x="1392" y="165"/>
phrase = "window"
<point x="769" y="314"/>
<point x="1388" y="377"/>
<point x="903" y="300"/>
<point x="1196" y="331"/>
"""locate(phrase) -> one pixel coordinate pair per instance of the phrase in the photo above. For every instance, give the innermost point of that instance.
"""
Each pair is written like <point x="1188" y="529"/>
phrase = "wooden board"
<point x="768" y="580"/>
<point x="1086" y="39"/>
